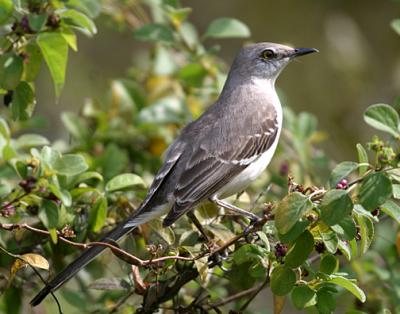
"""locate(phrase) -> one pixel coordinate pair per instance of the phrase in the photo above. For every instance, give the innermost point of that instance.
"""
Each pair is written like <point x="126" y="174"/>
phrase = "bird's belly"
<point x="248" y="175"/>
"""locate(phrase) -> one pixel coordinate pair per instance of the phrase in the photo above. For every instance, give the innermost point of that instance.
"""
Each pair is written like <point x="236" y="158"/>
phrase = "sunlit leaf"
<point x="384" y="118"/>
<point x="350" y="286"/>
<point x="392" y="209"/>
<point x="227" y="28"/>
<point x="6" y="9"/>
<point x="290" y="210"/>
<point x="362" y="158"/>
<point x="30" y="140"/>
<point x="125" y="181"/>
<point x="55" y="52"/>
<point x="80" y="20"/>
<point x="70" y="164"/>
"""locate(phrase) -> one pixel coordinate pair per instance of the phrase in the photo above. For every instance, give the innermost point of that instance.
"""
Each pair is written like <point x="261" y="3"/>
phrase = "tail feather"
<point x="85" y="258"/>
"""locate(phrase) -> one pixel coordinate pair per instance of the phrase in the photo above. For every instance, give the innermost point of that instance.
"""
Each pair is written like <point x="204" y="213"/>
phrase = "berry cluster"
<point x="280" y="250"/>
<point x="28" y="184"/>
<point x="342" y="185"/>
<point x="7" y="210"/>
<point x="320" y="247"/>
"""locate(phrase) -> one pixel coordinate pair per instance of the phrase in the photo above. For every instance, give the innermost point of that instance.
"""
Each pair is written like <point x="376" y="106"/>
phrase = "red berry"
<point x="339" y="186"/>
<point x="344" y="182"/>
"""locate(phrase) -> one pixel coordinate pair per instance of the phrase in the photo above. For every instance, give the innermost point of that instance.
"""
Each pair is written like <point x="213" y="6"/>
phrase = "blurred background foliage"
<point x="129" y="89"/>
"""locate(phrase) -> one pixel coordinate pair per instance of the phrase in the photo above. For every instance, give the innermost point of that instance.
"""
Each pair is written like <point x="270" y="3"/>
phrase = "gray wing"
<point x="210" y="167"/>
<point x="157" y="195"/>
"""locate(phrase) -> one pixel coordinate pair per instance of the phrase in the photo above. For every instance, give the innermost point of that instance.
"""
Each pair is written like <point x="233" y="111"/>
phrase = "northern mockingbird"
<point x="217" y="155"/>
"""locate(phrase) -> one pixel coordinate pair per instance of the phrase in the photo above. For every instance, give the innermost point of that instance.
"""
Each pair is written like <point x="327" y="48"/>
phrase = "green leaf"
<point x="303" y="296"/>
<point x="392" y="209"/>
<point x="21" y="168"/>
<point x="70" y="38"/>
<point x="300" y="251"/>
<point x="32" y="63"/>
<point x="366" y="232"/>
<point x="395" y="24"/>
<point x="49" y="214"/>
<point x="384" y="118"/>
<point x="11" y="67"/>
<point x="30" y="140"/>
<point x="326" y="302"/>
<point x="55" y="52"/>
<point x="91" y="8"/>
<point x="86" y="176"/>
<point x="125" y="181"/>
<point x="335" y="206"/>
<point x="396" y="191"/>
<point x="70" y="165"/>
<point x="341" y="171"/>
<point x="63" y="195"/>
<point x="344" y="247"/>
<point x="375" y="189"/>
<point x="294" y="232"/>
<point x="330" y="240"/>
<point x="192" y="74"/>
<point x="350" y="286"/>
<point x="4" y="129"/>
<point x="37" y="21"/>
<point x="75" y="125"/>
<point x="290" y="210"/>
<point x="6" y="10"/>
<point x="246" y="253"/>
<point x="346" y="228"/>
<point x="282" y="280"/>
<point x="98" y="215"/>
<point x="23" y="102"/>
<point x="155" y="33"/>
<point x="362" y="158"/>
<point x="329" y="264"/>
<point x="80" y="20"/>
<point x="227" y="28"/>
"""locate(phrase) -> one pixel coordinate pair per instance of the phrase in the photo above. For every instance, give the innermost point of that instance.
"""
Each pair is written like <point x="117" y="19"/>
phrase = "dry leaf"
<point x="35" y="260"/>
<point x="279" y="303"/>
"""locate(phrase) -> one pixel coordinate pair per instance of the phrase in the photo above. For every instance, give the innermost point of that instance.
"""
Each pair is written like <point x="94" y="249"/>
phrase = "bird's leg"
<point x="198" y="225"/>
<point x="216" y="258"/>
<point x="254" y="218"/>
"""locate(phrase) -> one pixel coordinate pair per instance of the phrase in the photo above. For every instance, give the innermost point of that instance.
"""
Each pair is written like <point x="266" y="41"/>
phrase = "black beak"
<point x="302" y="51"/>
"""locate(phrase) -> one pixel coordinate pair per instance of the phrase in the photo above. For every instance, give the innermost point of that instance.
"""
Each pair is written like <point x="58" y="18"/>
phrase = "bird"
<point x="215" y="156"/>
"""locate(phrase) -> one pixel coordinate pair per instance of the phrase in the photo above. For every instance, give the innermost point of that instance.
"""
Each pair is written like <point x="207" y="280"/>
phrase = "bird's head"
<point x="266" y="60"/>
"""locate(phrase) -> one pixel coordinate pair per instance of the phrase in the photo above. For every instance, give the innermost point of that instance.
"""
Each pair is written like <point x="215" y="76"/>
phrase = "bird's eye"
<point x="268" y="54"/>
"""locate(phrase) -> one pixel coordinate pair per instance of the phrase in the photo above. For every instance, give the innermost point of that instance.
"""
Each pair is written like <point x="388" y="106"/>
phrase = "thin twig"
<point x="16" y="256"/>
<point x="262" y="286"/>
<point x="233" y="298"/>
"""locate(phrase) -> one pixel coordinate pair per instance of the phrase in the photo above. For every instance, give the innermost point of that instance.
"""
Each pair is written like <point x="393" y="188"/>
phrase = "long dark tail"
<point x="85" y="258"/>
